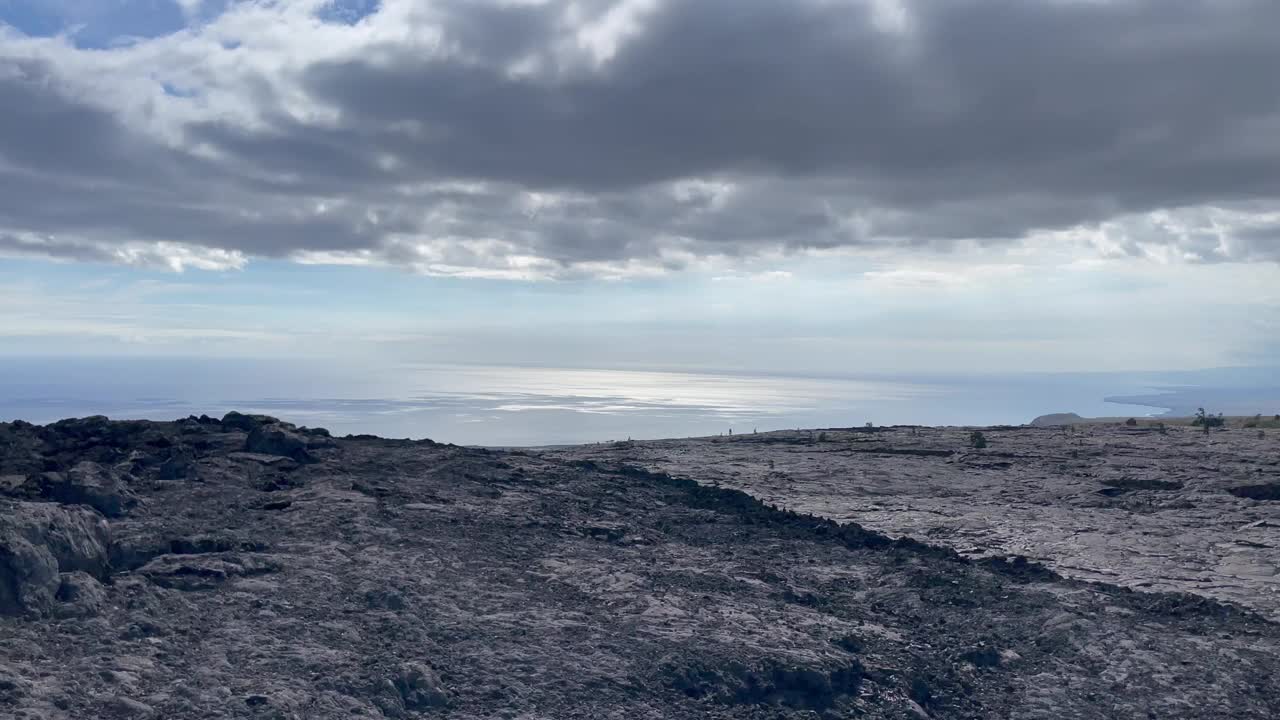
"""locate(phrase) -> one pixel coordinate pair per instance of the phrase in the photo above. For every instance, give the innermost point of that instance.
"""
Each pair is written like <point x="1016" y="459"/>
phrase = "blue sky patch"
<point x="94" y="23"/>
<point x="349" y="12"/>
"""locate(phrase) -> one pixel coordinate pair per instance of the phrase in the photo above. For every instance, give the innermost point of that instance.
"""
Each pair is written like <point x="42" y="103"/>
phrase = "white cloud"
<point x="636" y="138"/>
<point x="176" y="257"/>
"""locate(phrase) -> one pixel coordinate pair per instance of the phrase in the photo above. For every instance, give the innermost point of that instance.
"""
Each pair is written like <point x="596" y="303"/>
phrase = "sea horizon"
<point x="523" y="405"/>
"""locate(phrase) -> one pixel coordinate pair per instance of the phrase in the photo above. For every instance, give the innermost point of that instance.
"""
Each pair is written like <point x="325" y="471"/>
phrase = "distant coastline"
<point x="1158" y="402"/>
<point x="1185" y="401"/>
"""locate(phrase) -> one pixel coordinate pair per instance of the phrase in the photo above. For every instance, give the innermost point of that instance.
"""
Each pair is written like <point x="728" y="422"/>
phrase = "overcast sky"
<point x="922" y="185"/>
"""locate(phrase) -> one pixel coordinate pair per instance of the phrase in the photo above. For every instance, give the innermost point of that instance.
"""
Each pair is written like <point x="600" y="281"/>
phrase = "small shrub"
<point x="1131" y="422"/>
<point x="1207" y="421"/>
<point x="977" y="440"/>
<point x="822" y="437"/>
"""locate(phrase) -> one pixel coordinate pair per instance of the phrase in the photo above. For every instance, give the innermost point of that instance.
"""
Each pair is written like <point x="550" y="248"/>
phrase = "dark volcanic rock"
<point x="203" y="572"/>
<point x="138" y="548"/>
<point x="414" y="688"/>
<point x="98" y="439"/>
<point x="278" y="440"/>
<point x="89" y="483"/>
<point x="37" y="542"/>
<point x="377" y="597"/>
<point x="28" y="575"/>
<point x="771" y="685"/>
<point x="1267" y="491"/>
<point x="1132" y="483"/>
<point x="246" y="423"/>
<point x="76" y="538"/>
<point x="80" y="594"/>
<point x="179" y="465"/>
<point x="12" y="687"/>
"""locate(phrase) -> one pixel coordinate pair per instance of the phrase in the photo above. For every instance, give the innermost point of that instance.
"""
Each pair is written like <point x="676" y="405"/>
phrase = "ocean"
<point x="529" y="406"/>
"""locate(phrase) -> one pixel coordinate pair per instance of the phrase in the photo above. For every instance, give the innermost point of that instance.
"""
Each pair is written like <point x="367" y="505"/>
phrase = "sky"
<point x="811" y="186"/>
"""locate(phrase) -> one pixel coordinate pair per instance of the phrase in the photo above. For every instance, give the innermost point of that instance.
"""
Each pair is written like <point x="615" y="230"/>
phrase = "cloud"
<point x="622" y="137"/>
<point x="159" y="255"/>
<point x="1194" y="235"/>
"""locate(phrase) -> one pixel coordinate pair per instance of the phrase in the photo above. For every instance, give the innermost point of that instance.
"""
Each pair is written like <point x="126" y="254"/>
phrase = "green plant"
<point x="977" y="440"/>
<point x="822" y="437"/>
<point x="1207" y="421"/>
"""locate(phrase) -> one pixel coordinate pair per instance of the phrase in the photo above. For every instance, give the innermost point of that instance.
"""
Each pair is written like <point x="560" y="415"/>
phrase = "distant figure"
<point x="730" y="432"/>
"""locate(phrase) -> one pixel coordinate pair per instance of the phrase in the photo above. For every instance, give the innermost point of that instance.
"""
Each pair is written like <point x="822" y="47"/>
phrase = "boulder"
<point x="14" y="485"/>
<point x="378" y="597"/>
<point x="80" y="595"/>
<point x="203" y="572"/>
<point x="279" y="440"/>
<point x="89" y="483"/>
<point x="180" y="464"/>
<point x="413" y="688"/>
<point x="98" y="438"/>
<point x="96" y="428"/>
<point x="318" y="437"/>
<point x="13" y="686"/>
<point x="77" y="538"/>
<point x="246" y="423"/>
<point x="420" y="687"/>
<point x="37" y="542"/>
<point x="19" y="450"/>
<point x="28" y="577"/>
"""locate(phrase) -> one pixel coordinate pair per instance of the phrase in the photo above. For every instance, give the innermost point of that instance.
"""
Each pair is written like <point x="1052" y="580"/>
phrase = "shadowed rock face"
<point x="1265" y="491"/>
<point x="396" y="579"/>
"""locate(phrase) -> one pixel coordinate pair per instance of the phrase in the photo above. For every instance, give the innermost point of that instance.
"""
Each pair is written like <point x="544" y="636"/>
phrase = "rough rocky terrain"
<point x="1171" y="509"/>
<point x="245" y="568"/>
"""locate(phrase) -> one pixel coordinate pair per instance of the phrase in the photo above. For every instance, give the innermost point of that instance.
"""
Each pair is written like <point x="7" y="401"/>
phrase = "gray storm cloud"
<point x="540" y="138"/>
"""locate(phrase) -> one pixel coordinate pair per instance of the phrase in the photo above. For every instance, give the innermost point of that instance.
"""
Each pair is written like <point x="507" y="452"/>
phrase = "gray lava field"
<point x="246" y="568"/>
